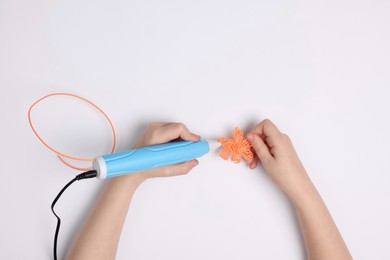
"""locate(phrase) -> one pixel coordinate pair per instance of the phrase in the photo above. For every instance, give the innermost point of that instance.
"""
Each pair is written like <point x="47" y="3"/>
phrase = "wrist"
<point x="129" y="181"/>
<point x="301" y="189"/>
<point x="305" y="196"/>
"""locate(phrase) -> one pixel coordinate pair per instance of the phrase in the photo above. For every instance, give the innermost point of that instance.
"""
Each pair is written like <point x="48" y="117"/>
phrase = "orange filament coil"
<point x="237" y="148"/>
<point x="61" y="155"/>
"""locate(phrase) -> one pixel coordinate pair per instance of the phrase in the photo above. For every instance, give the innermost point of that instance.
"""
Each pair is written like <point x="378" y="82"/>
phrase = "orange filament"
<point x="60" y="155"/>
<point x="236" y="148"/>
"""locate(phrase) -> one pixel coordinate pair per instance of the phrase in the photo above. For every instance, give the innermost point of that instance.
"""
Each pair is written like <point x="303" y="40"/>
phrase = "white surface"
<point x="319" y="69"/>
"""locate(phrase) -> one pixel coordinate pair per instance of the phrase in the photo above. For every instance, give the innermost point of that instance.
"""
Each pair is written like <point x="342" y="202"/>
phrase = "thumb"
<point x="260" y="147"/>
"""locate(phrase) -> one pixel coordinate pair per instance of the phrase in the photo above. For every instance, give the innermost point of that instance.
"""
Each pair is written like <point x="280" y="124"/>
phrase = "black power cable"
<point x="81" y="176"/>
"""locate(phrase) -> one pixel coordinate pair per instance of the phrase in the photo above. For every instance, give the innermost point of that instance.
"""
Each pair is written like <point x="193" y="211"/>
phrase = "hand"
<point x="278" y="157"/>
<point x="100" y="235"/>
<point x="158" y="133"/>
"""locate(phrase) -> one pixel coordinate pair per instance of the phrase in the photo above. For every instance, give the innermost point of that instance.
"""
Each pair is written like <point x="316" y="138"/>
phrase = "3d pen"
<point x="151" y="157"/>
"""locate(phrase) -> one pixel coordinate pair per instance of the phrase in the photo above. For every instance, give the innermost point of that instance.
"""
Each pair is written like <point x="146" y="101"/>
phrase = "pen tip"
<point x="213" y="144"/>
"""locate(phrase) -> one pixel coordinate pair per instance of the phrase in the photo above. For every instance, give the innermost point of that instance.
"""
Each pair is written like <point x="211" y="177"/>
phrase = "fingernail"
<point x="250" y="138"/>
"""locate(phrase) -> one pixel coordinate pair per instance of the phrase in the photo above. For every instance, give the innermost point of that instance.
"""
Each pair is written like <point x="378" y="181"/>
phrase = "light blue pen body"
<point x="151" y="157"/>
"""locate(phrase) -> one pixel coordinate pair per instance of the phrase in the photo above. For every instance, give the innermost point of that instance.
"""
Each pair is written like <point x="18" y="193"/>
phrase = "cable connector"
<point x="87" y="175"/>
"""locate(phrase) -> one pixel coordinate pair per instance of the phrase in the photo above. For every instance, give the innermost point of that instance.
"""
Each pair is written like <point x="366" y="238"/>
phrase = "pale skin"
<point x="100" y="235"/>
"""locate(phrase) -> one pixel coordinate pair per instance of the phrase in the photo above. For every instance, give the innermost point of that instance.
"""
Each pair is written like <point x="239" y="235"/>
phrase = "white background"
<point x="318" y="69"/>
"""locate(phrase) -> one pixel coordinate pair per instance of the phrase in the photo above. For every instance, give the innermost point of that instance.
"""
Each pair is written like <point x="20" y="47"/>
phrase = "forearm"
<point x="100" y="235"/>
<point x="322" y="238"/>
<point x="282" y="164"/>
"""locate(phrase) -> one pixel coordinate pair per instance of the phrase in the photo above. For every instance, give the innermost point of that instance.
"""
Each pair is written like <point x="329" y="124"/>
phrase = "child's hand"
<point x="278" y="157"/>
<point x="158" y="133"/>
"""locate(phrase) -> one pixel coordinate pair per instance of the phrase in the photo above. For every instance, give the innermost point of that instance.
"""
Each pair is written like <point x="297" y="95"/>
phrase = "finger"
<point x="271" y="142"/>
<point x="176" y="130"/>
<point x="251" y="160"/>
<point x="266" y="128"/>
<point x="174" y="170"/>
<point x="260" y="148"/>
<point x="254" y="163"/>
<point x="167" y="123"/>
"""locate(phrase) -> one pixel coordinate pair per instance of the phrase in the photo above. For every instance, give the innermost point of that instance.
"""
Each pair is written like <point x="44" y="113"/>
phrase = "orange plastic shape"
<point x="59" y="154"/>
<point x="237" y="148"/>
